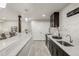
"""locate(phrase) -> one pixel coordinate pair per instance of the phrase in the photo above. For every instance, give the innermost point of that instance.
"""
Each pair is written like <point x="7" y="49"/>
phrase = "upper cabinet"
<point x="54" y="19"/>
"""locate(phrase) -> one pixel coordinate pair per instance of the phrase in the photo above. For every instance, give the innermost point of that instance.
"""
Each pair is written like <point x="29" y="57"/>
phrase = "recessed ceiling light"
<point x="26" y="19"/>
<point x="43" y="15"/>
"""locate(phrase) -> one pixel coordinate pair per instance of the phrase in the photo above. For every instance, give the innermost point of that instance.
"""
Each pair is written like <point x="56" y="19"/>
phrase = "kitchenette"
<point x="63" y="39"/>
<point x="61" y="47"/>
<point x="52" y="28"/>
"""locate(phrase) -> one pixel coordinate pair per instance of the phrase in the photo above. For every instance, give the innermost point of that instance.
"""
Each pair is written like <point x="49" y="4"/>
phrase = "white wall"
<point x="26" y="25"/>
<point x="70" y="25"/>
<point x="10" y="19"/>
<point x="39" y="29"/>
<point x="6" y="26"/>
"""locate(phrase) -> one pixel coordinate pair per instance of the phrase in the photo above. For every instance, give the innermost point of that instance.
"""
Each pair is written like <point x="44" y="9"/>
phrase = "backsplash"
<point x="70" y="25"/>
<point x="54" y="31"/>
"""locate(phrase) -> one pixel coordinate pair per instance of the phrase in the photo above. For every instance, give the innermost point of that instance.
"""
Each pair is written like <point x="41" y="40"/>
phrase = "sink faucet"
<point x="70" y="38"/>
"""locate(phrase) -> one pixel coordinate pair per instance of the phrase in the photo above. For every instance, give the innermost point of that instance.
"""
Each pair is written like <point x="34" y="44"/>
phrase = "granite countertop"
<point x="70" y="50"/>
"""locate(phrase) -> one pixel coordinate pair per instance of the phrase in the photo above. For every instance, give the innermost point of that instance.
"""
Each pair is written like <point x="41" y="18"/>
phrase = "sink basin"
<point x="64" y="43"/>
<point x="56" y="37"/>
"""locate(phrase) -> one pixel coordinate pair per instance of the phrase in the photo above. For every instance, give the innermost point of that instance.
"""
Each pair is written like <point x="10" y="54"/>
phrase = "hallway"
<point x="37" y="48"/>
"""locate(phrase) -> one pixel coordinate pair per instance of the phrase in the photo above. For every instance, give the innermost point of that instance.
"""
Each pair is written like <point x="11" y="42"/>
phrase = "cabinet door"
<point x="60" y="52"/>
<point x="52" y="48"/>
<point x="51" y="21"/>
<point x="55" y="50"/>
<point x="56" y="19"/>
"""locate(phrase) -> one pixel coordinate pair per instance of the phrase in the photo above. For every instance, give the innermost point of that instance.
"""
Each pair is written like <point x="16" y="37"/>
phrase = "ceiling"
<point x="34" y="11"/>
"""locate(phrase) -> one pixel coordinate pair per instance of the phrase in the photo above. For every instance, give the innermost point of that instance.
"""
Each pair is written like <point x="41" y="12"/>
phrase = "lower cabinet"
<point x="60" y="52"/>
<point x="52" y="48"/>
<point x="55" y="50"/>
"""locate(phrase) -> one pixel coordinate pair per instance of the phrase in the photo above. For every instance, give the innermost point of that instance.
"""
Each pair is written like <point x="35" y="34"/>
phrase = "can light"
<point x="43" y="15"/>
<point x="26" y="19"/>
<point x="3" y="5"/>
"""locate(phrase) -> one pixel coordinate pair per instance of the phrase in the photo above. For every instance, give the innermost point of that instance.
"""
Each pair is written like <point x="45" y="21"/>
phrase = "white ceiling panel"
<point x="36" y="10"/>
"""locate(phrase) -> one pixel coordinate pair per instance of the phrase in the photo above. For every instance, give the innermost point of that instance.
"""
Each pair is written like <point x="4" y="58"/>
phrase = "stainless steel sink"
<point x="64" y="43"/>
